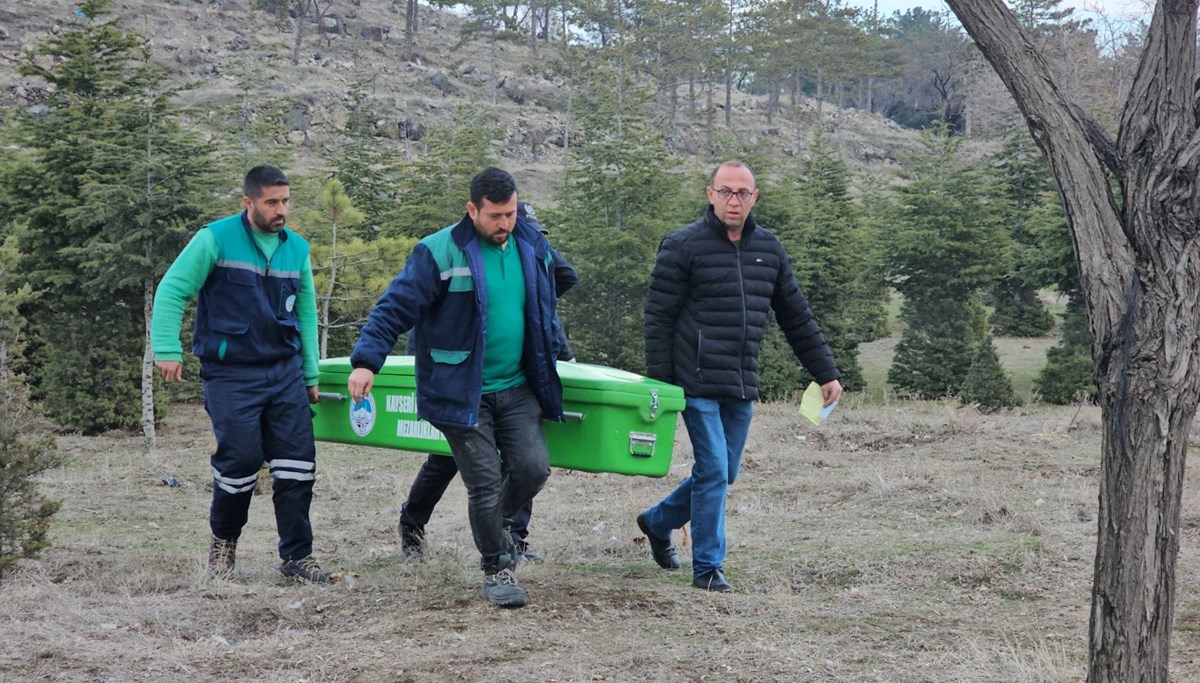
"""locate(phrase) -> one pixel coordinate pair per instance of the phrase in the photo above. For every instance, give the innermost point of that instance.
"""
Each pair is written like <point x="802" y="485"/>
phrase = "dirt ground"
<point x="896" y="542"/>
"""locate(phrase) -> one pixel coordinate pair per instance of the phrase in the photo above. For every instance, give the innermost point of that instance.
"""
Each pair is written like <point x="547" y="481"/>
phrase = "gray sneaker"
<point x="304" y="569"/>
<point x="501" y="589"/>
<point x="221" y="556"/>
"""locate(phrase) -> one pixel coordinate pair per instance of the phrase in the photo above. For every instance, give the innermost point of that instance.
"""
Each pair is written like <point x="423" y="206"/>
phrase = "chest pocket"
<point x="227" y="307"/>
<point x="286" y="297"/>
<point x="240" y="277"/>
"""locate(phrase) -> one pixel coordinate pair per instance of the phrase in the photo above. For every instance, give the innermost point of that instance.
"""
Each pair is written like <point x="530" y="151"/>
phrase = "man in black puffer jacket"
<point x="713" y="285"/>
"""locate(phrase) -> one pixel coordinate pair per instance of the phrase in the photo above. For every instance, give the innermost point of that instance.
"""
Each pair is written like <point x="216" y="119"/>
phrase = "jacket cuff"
<point x="828" y="377"/>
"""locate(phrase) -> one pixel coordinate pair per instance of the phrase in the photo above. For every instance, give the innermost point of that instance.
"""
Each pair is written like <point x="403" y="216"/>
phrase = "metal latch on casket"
<point x="653" y="405"/>
<point x="641" y="444"/>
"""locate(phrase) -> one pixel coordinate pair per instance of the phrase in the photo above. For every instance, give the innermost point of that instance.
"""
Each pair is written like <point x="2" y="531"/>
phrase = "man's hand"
<point x="360" y="383"/>
<point x="831" y="392"/>
<point x="314" y="394"/>
<point x="172" y="370"/>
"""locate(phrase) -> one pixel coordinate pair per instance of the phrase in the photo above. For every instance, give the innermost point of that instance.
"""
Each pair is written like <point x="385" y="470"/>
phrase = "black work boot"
<point x="712" y="580"/>
<point x="660" y="548"/>
<point x="304" y="569"/>
<point x="412" y="540"/>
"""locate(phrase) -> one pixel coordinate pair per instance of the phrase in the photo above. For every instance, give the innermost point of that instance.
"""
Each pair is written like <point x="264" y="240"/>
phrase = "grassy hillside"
<point x="246" y="95"/>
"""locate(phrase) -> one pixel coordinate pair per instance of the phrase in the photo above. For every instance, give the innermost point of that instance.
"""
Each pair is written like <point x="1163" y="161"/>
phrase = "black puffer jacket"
<point x="707" y="310"/>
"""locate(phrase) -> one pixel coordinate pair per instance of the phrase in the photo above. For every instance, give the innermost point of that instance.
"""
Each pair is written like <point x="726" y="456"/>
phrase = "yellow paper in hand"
<point x="812" y="404"/>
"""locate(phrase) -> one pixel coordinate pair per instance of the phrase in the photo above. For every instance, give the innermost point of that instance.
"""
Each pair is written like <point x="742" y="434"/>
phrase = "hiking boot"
<point x="712" y="580"/>
<point x="221" y="556"/>
<point x="304" y="569"/>
<point x="412" y="540"/>
<point x="660" y="548"/>
<point x="501" y="589"/>
<point x="524" y="554"/>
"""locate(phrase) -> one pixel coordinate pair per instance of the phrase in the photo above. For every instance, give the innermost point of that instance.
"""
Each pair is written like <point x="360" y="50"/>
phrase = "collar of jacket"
<point x="715" y="224"/>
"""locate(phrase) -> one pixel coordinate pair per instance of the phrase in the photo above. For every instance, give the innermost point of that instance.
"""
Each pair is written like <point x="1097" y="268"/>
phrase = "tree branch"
<point x="1102" y="247"/>
<point x="1163" y="85"/>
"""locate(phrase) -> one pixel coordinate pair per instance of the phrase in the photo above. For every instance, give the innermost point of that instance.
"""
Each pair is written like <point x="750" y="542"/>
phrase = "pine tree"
<point x="835" y="261"/>
<point x="617" y="203"/>
<point x="366" y="268"/>
<point x="434" y="187"/>
<point x="331" y="225"/>
<point x="1023" y="180"/>
<point x="26" y="448"/>
<point x="368" y="168"/>
<point x="1069" y="374"/>
<point x="944" y="247"/>
<point x="985" y="385"/>
<point x="112" y="184"/>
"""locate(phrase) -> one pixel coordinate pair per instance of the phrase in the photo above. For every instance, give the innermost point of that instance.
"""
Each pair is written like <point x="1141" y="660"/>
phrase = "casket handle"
<point x="572" y="415"/>
<point x="331" y="396"/>
<point x="641" y="444"/>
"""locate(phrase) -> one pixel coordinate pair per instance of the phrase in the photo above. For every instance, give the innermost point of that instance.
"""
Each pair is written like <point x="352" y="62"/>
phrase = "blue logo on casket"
<point x="362" y="416"/>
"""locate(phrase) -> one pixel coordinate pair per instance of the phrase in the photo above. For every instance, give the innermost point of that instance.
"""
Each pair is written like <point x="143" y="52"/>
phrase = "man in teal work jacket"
<point x="256" y="338"/>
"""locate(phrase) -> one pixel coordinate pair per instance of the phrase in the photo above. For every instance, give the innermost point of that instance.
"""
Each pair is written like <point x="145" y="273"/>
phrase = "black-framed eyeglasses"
<point x="742" y="195"/>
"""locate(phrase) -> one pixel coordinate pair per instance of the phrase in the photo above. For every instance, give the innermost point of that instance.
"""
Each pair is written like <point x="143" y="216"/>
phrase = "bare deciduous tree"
<point x="1139" y="263"/>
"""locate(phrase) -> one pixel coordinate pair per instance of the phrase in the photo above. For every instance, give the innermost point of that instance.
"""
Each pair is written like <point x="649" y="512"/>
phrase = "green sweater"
<point x="504" y="343"/>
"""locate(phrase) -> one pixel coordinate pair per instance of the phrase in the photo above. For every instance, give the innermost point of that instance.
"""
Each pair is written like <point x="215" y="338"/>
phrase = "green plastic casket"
<point x="617" y="421"/>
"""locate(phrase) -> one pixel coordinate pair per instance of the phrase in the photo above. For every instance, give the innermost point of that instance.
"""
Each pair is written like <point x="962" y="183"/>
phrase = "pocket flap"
<point x="240" y="276"/>
<point x="229" y="326"/>
<point x="448" y="357"/>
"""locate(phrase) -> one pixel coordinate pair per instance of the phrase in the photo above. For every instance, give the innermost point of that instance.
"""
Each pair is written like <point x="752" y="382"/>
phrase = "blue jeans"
<point x="717" y="429"/>
<point x="510" y="421"/>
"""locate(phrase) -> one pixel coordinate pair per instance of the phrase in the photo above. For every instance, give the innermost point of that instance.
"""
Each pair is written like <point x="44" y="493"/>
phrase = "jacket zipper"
<point x="737" y="255"/>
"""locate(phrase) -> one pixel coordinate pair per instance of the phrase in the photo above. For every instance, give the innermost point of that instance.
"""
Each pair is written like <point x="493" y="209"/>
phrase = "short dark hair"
<point x="260" y="177"/>
<point x="493" y="184"/>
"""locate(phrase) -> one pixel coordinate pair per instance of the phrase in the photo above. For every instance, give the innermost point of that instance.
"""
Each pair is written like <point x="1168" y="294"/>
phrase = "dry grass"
<point x="902" y="542"/>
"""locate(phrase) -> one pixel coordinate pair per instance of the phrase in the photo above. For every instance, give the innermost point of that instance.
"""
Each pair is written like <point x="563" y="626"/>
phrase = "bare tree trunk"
<point x="410" y="23"/>
<point x="533" y="26"/>
<point x="729" y="99"/>
<point x="567" y="122"/>
<point x="674" y="98"/>
<point x="566" y="35"/>
<point x="148" y="294"/>
<point x="495" y="67"/>
<point x="820" y="90"/>
<point x="302" y="11"/>
<point x="710" y="112"/>
<point x="148" y="432"/>
<point x="1140" y="271"/>
<point x="333" y="268"/>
